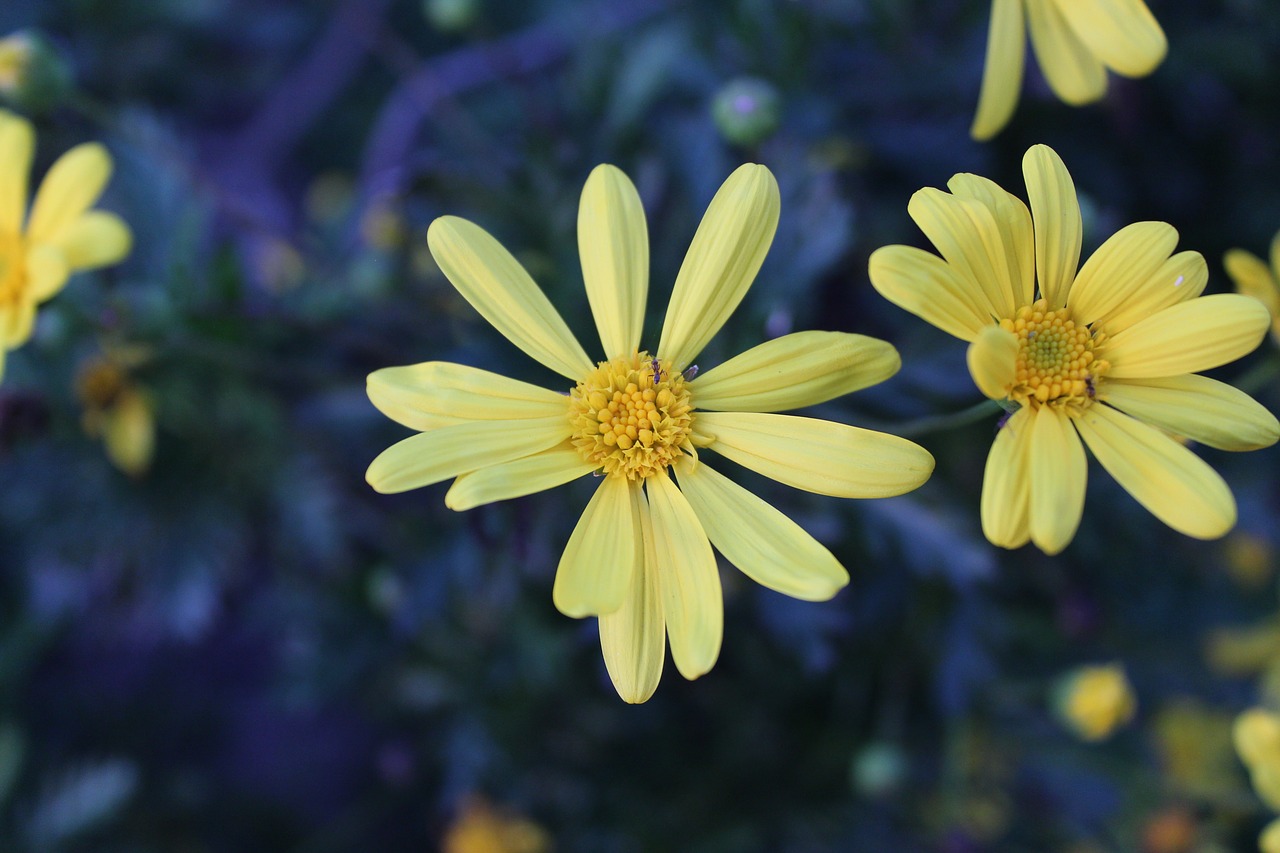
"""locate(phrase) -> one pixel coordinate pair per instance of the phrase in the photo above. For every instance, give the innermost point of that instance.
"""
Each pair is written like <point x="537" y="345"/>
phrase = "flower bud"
<point x="747" y="111"/>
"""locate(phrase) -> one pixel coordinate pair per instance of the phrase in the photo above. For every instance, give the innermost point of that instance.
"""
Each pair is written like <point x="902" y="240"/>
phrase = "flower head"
<point x="640" y="557"/>
<point x="1076" y="42"/>
<point x="1107" y="354"/>
<point x="60" y="236"/>
<point x="1253" y="277"/>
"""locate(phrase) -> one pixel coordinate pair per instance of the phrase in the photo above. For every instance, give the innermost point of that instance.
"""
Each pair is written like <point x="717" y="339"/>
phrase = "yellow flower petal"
<point x="690" y="582"/>
<point x="993" y="361"/>
<point x="1252" y="277"/>
<point x="1123" y="34"/>
<point x="72" y="186"/>
<point x="613" y="242"/>
<point x="1014" y="222"/>
<point x="930" y="288"/>
<point x="603" y="552"/>
<point x="17" y="141"/>
<point x="129" y="433"/>
<point x="517" y="478"/>
<point x="1269" y="840"/>
<point x="1179" y="279"/>
<point x="1188" y="337"/>
<point x="96" y="239"/>
<point x="762" y="542"/>
<point x="439" y="393"/>
<point x="16" y="321"/>
<point x="1074" y="74"/>
<point x="1174" y="484"/>
<point x="46" y="272"/>
<point x="816" y="455"/>
<point x="1058" y="472"/>
<point x="1120" y="268"/>
<point x="1056" y="212"/>
<point x="1256" y="734"/>
<point x="1006" y="484"/>
<point x="722" y="262"/>
<point x="1002" y="71"/>
<point x="497" y="286"/>
<point x="966" y="234"/>
<point x="1196" y="407"/>
<point x="441" y="454"/>
<point x="794" y="371"/>
<point x="633" y="637"/>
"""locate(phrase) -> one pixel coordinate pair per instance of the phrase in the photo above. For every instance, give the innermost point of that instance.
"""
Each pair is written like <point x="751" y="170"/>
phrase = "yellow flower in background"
<point x="480" y="828"/>
<point x="119" y="412"/>
<point x="1253" y="277"/>
<point x="640" y="557"/>
<point x="1094" y="701"/>
<point x="1269" y="840"/>
<point x="1075" y="41"/>
<point x="62" y="235"/>
<point x="1107" y="354"/>
<point x="1257" y="739"/>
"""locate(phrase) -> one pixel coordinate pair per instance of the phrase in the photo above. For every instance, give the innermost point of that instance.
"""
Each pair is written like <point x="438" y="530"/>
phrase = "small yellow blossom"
<point x="1257" y="739"/>
<point x="480" y="828"/>
<point x="120" y="413"/>
<point x="60" y="236"/>
<point x="640" y="557"/>
<point x="1107" y="354"/>
<point x="1254" y="277"/>
<point x="1094" y="701"/>
<point x="1076" y="42"/>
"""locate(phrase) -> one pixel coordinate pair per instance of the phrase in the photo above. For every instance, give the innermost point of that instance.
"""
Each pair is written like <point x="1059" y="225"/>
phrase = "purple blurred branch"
<point x="304" y="94"/>
<point x="411" y="104"/>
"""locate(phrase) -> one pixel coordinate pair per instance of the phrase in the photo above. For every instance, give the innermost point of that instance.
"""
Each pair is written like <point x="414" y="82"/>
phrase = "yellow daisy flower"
<point x="640" y="557"/>
<point x="60" y="236"/>
<point x="1253" y="277"/>
<point x="1107" y="354"/>
<point x="1076" y="41"/>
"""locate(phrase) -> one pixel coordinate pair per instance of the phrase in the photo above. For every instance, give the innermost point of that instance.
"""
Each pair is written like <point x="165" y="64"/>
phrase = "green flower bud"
<point x="33" y="77"/>
<point x="451" y="16"/>
<point x="746" y="111"/>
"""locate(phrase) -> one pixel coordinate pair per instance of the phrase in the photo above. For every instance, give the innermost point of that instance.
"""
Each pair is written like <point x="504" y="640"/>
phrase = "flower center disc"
<point x="631" y="416"/>
<point x="1056" y="362"/>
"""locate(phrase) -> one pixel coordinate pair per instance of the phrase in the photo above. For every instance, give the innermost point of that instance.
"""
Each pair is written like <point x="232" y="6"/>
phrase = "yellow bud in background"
<point x="118" y="412"/>
<point x="33" y="77"/>
<point x="480" y="828"/>
<point x="1093" y="701"/>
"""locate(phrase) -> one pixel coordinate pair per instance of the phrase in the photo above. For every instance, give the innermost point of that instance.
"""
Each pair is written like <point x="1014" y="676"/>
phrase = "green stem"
<point x="1260" y="375"/>
<point x="954" y="420"/>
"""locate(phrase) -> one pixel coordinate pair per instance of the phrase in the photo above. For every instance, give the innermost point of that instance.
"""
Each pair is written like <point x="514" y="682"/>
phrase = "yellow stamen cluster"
<point x="1056" y="363"/>
<point x="632" y="416"/>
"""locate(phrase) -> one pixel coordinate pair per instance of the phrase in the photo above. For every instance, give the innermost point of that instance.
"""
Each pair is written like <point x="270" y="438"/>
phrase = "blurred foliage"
<point x="241" y="647"/>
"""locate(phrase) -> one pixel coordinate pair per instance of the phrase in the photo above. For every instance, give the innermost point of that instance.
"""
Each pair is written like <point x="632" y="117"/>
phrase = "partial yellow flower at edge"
<point x="1252" y="276"/>
<point x="1075" y="41"/>
<point x="640" y="557"/>
<point x="1106" y="355"/>
<point x="62" y="235"/>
